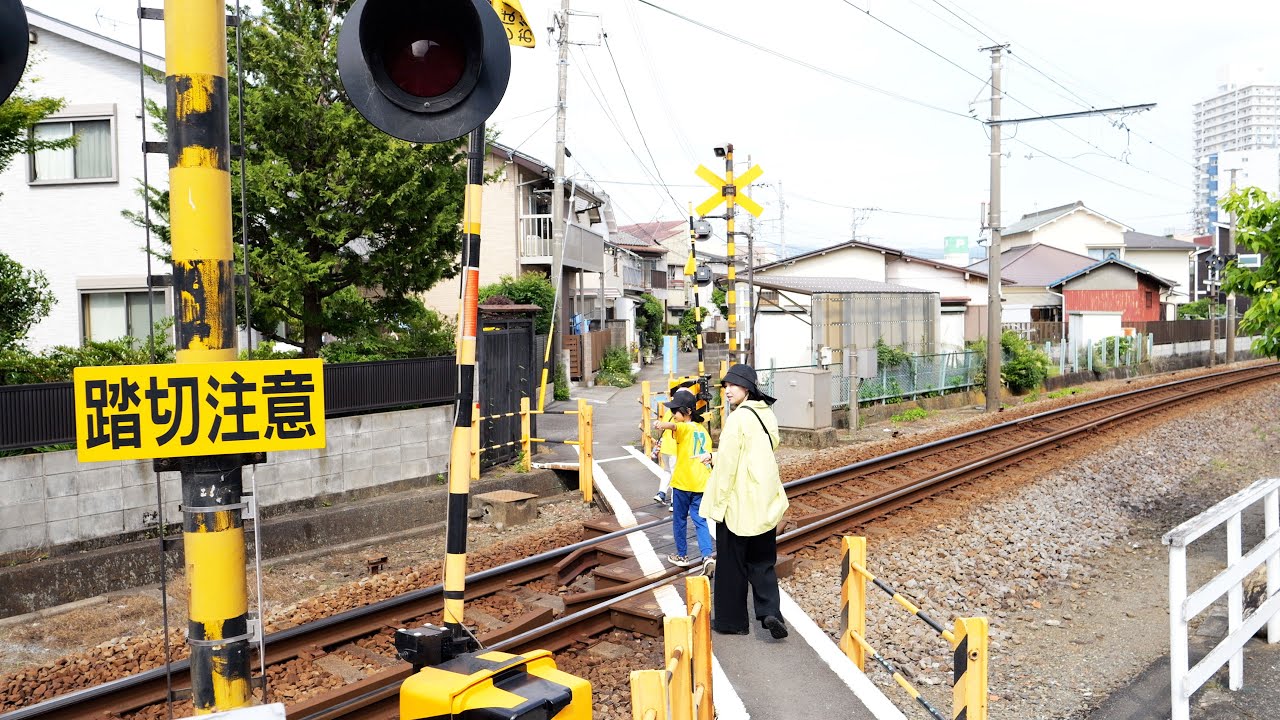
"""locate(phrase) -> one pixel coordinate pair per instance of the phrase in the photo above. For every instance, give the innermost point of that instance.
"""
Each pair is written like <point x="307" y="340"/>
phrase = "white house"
<point x="60" y="209"/>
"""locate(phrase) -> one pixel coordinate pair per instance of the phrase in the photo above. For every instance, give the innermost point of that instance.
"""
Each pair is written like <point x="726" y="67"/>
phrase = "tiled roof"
<point x="1111" y="261"/>
<point x="1143" y="241"/>
<point x="817" y="285"/>
<point x="1036" y="265"/>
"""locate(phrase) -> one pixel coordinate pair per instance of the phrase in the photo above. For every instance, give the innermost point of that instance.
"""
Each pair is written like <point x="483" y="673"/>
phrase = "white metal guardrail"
<point x="1184" y="606"/>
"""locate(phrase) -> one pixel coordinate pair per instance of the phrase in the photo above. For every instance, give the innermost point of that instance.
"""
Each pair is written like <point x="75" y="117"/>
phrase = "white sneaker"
<point x="709" y="566"/>
<point x="660" y="497"/>
<point x="681" y="561"/>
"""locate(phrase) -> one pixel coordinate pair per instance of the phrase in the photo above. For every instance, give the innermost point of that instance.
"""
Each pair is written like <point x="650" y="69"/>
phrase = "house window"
<point x="114" y="315"/>
<point x="91" y="159"/>
<point x="1147" y="295"/>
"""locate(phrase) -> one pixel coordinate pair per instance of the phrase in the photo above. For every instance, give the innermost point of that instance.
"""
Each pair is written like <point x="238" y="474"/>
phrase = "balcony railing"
<point x="583" y="248"/>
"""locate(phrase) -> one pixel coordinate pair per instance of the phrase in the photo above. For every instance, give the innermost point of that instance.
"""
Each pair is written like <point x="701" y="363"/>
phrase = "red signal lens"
<point x="425" y="61"/>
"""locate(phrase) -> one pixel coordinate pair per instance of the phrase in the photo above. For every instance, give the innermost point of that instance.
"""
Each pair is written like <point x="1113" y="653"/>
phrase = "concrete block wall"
<point x="51" y="499"/>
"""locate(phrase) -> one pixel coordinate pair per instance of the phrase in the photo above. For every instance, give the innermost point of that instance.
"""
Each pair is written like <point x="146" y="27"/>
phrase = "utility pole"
<point x="782" y="221"/>
<point x="691" y="276"/>
<point x="557" y="187"/>
<point x="1231" y="297"/>
<point x="993" y="254"/>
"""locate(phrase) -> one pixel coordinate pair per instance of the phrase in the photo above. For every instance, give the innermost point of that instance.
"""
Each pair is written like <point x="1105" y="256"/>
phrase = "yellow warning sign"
<point x="512" y="15"/>
<point x="153" y="411"/>
<point x="723" y="190"/>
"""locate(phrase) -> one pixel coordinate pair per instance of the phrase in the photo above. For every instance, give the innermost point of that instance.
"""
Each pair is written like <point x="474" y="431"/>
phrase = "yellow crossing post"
<point x="649" y="695"/>
<point x="525" y="431"/>
<point x="646" y="419"/>
<point x="475" y="442"/>
<point x="195" y="36"/>
<point x="677" y="638"/>
<point x="697" y="592"/>
<point x="853" y="599"/>
<point x="585" y="475"/>
<point x="969" y="669"/>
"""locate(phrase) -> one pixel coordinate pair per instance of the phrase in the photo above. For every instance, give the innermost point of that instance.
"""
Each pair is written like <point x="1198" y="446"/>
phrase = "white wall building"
<point x="60" y="210"/>
<point x="1241" y="118"/>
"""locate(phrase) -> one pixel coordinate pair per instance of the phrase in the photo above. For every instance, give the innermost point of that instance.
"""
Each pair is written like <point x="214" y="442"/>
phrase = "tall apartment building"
<point x="1238" y="128"/>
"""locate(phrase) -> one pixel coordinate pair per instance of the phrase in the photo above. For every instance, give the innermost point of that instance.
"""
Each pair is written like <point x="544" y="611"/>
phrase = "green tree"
<point x="1198" y="310"/>
<point x="531" y="288"/>
<point x="19" y="114"/>
<point x="345" y="223"/>
<point x="1257" y="230"/>
<point x="25" y="299"/>
<point x="718" y="298"/>
<point x="649" y="320"/>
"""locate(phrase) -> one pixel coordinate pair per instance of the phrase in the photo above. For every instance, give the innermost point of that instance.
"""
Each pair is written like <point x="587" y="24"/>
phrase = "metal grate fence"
<point x="919" y="375"/>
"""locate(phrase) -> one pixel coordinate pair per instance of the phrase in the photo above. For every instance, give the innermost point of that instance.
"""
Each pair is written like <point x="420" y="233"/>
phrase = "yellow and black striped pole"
<point x="730" y="192"/>
<point x="853" y="598"/>
<point x="203" y="278"/>
<point x="455" y="563"/>
<point x="969" y="669"/>
<point x="691" y="272"/>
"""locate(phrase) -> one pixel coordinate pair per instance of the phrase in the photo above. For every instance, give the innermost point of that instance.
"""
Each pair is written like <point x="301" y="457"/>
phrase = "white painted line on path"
<point x="844" y="668"/>
<point x="663" y="475"/>
<point x="727" y="703"/>
<point x="617" y="457"/>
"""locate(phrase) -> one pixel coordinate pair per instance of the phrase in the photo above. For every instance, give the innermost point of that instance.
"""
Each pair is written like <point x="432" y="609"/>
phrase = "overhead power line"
<point x="804" y="63"/>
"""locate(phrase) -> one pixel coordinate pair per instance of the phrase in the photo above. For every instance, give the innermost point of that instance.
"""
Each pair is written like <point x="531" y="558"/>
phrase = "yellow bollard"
<point x="585" y="475"/>
<point x="525" y="431"/>
<point x="646" y="419"/>
<point x="475" y="441"/>
<point x="853" y="599"/>
<point x="969" y="673"/>
<point x="697" y="592"/>
<point x="677" y="638"/>
<point x="649" y="695"/>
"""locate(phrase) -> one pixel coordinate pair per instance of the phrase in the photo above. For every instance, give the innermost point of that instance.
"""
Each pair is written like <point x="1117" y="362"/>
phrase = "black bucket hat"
<point x="745" y="376"/>
<point x="682" y="400"/>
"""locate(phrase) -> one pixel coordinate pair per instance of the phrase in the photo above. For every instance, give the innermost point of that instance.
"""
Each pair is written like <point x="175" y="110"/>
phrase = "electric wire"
<point x="681" y="138"/>
<point x="803" y="63"/>
<point x="636" y="120"/>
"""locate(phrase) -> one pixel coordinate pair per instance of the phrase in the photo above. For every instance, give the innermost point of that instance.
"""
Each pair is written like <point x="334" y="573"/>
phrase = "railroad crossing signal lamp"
<point x="724" y="189"/>
<point x="701" y="229"/>
<point x="424" y="71"/>
<point x="13" y="45"/>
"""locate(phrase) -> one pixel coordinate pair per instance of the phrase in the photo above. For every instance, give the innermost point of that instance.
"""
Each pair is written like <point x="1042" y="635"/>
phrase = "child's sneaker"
<point x="681" y="561"/>
<point x="709" y="566"/>
<point x="661" y="497"/>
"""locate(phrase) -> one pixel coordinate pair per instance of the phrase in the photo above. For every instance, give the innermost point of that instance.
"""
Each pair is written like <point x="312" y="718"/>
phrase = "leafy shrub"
<point x="1064" y="392"/>
<point x="615" y="368"/>
<point x="650" y="321"/>
<point x="1023" y="367"/>
<point x="21" y="366"/>
<point x="531" y="288"/>
<point x="910" y="415"/>
<point x="888" y="356"/>
<point x="561" y="382"/>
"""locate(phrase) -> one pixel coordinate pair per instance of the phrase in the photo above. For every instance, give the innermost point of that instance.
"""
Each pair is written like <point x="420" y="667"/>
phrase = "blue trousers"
<point x="684" y="506"/>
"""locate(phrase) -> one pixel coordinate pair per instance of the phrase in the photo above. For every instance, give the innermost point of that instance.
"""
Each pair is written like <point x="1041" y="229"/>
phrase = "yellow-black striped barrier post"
<point x="697" y="592"/>
<point x="649" y="695"/>
<point x="677" y="640"/>
<point x="969" y="670"/>
<point x="205" y="331"/>
<point x="462" y="448"/>
<point x="691" y="272"/>
<point x="853" y="599"/>
<point x="731" y="294"/>
<point x="898" y="677"/>
<point x="526" y="424"/>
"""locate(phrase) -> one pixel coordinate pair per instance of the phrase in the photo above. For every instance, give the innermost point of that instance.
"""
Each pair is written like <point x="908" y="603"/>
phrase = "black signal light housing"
<point x="427" y="70"/>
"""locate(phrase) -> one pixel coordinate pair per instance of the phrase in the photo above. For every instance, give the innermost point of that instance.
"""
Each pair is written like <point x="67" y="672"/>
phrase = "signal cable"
<point x="151" y="354"/>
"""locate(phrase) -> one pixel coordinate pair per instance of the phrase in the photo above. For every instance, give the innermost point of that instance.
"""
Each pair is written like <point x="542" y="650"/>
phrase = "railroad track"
<point x="824" y="505"/>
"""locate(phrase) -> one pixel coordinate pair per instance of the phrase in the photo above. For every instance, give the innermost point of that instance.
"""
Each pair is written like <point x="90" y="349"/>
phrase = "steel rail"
<point x="133" y="692"/>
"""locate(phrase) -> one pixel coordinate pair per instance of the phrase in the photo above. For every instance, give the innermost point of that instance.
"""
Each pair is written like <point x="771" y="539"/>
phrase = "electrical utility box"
<point x="804" y="398"/>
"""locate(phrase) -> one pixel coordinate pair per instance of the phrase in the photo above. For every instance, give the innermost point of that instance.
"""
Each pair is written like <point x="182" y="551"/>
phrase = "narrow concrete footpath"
<point x="755" y="676"/>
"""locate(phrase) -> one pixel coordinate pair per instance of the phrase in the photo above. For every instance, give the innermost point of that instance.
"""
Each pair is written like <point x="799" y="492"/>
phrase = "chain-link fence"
<point x="918" y="375"/>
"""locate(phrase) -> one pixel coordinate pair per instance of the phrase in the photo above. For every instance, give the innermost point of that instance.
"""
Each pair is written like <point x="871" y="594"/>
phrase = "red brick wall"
<point x="1133" y="304"/>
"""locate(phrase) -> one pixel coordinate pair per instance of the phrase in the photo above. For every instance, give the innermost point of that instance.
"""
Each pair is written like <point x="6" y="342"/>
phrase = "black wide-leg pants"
<point x="741" y="561"/>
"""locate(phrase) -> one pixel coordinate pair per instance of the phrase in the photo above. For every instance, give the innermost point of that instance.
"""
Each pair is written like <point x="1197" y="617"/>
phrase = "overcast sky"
<point x="829" y="143"/>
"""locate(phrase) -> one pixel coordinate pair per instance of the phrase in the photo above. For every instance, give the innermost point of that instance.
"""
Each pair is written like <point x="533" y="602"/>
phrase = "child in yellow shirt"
<point x="693" y="448"/>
